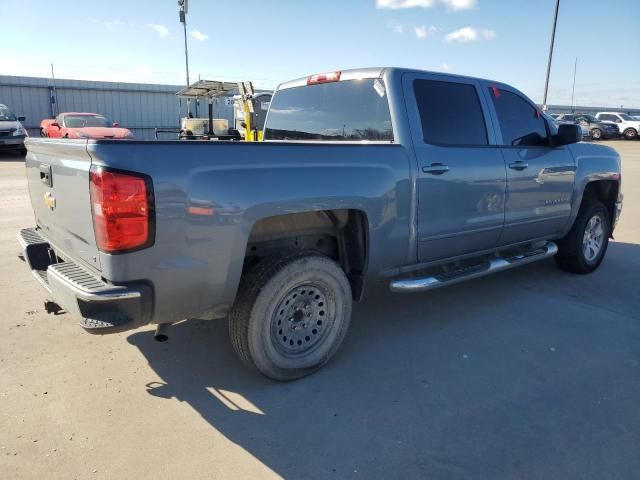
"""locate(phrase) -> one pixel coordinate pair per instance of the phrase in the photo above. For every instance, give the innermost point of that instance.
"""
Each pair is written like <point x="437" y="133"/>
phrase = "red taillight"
<point x="323" y="78"/>
<point x="121" y="210"/>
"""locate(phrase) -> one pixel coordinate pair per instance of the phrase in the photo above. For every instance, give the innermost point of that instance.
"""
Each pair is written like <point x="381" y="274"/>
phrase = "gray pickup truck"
<point x="422" y="178"/>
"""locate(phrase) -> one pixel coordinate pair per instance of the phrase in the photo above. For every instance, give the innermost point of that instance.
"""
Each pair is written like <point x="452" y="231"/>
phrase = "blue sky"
<point x="270" y="41"/>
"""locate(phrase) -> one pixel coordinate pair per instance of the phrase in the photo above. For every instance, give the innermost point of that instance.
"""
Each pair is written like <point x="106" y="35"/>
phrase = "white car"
<point x="626" y="123"/>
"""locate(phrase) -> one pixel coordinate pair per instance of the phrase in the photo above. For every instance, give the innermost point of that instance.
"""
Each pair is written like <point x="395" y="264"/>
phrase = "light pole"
<point x="184" y="9"/>
<point x="553" y="37"/>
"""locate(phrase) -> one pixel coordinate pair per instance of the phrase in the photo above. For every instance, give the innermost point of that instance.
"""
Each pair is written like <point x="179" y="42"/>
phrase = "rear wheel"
<point x="291" y="315"/>
<point x="596" y="134"/>
<point x="584" y="247"/>
<point x="630" y="134"/>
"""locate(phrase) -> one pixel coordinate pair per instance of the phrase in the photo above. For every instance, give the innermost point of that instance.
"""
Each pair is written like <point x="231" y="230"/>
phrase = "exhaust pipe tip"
<point x="161" y="332"/>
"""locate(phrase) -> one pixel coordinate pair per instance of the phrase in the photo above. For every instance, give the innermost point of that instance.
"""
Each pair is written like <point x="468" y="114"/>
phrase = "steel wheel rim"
<point x="302" y="321"/>
<point x="593" y="238"/>
<point x="596" y="134"/>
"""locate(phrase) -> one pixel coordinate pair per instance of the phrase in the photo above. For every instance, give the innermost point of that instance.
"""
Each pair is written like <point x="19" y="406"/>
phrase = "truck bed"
<point x="208" y="197"/>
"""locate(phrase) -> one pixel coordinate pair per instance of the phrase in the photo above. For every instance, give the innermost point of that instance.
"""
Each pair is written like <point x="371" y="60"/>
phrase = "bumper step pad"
<point x="101" y="307"/>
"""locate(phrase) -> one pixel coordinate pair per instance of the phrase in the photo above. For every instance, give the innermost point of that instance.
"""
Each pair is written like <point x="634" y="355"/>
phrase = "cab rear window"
<point x="349" y="110"/>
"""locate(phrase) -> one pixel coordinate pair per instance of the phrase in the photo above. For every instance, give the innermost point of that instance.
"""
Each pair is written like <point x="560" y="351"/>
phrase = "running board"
<point x="431" y="282"/>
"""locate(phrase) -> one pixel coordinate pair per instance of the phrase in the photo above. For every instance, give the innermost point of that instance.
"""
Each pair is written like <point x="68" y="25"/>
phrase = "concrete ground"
<point x="528" y="374"/>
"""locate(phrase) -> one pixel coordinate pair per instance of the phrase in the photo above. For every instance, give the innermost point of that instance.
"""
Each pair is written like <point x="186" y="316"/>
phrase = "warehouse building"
<point x="139" y="107"/>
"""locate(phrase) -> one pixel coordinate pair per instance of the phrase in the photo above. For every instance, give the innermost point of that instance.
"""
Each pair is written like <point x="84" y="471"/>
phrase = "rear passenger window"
<point x="450" y="113"/>
<point x="521" y="124"/>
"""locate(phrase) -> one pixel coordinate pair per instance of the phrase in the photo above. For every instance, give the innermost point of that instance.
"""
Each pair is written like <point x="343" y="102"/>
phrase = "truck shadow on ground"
<point x="495" y="378"/>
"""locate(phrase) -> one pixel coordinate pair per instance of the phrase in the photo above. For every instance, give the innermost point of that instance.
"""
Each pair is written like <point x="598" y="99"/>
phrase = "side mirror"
<point x="55" y="124"/>
<point x="618" y="120"/>
<point x="567" y="133"/>
<point x="21" y="119"/>
<point x="116" y="125"/>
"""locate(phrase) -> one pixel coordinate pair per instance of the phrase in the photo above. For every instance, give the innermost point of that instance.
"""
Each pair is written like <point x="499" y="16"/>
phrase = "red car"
<point x="82" y="125"/>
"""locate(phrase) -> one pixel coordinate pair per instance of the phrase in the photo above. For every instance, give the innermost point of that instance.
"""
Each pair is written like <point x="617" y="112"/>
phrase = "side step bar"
<point x="431" y="282"/>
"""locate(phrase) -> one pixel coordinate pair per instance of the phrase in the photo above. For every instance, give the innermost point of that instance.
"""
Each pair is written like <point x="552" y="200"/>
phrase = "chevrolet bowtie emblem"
<point x="50" y="200"/>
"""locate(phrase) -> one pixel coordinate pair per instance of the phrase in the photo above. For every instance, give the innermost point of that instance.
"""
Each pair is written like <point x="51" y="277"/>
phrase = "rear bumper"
<point x="100" y="307"/>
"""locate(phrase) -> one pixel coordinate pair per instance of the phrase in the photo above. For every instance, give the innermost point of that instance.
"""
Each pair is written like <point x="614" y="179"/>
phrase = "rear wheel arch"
<point x="340" y="234"/>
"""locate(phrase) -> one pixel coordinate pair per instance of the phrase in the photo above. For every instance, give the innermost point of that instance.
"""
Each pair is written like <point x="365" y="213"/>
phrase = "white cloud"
<point x="450" y="4"/>
<point x="159" y="28"/>
<point x="395" y="26"/>
<point x="469" y="34"/>
<point x="199" y="36"/>
<point x="397" y="4"/>
<point x="460" y="4"/>
<point x="423" y="31"/>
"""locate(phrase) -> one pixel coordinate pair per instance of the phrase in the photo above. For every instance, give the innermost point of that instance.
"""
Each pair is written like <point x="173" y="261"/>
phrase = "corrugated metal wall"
<point x="139" y="107"/>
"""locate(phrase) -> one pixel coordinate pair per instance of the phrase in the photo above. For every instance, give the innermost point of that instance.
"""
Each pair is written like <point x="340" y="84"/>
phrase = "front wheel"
<point x="291" y="315"/>
<point x="596" y="134"/>
<point x="584" y="247"/>
<point x="630" y="134"/>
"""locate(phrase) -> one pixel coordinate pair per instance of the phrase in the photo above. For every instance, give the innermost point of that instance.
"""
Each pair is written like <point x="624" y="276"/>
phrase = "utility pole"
<point x="553" y="38"/>
<point x="573" y="89"/>
<point x="184" y="9"/>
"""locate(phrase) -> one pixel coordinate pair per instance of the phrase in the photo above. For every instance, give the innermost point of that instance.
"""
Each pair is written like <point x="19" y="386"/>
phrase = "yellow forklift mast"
<point x="252" y="134"/>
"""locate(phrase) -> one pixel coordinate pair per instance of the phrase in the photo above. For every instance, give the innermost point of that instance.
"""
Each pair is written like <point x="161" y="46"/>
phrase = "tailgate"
<point x="58" y="177"/>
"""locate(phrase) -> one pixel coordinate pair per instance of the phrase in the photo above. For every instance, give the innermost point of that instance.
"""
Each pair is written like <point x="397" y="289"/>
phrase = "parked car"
<point x="82" y="125"/>
<point x="627" y="125"/>
<point x="369" y="172"/>
<point x="598" y="130"/>
<point x="12" y="133"/>
<point x="585" y="132"/>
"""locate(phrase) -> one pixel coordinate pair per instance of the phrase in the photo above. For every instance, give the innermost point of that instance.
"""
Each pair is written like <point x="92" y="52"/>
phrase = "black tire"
<point x="572" y="253"/>
<point x="596" y="134"/>
<point x="630" y="134"/>
<point x="290" y="315"/>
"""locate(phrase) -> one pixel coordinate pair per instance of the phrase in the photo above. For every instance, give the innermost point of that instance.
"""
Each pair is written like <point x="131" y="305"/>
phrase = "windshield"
<point x="6" y="115"/>
<point x="79" y="121"/>
<point x="349" y="110"/>
<point x="626" y="117"/>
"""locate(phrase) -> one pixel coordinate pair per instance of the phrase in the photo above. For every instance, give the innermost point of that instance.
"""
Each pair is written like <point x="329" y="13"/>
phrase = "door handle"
<point x="519" y="165"/>
<point x="436" y="169"/>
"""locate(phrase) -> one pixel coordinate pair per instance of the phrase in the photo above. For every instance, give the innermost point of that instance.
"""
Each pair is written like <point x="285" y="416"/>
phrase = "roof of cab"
<point x="374" y="72"/>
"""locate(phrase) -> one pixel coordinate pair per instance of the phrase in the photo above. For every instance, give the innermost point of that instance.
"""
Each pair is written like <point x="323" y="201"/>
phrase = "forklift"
<point x="249" y="112"/>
